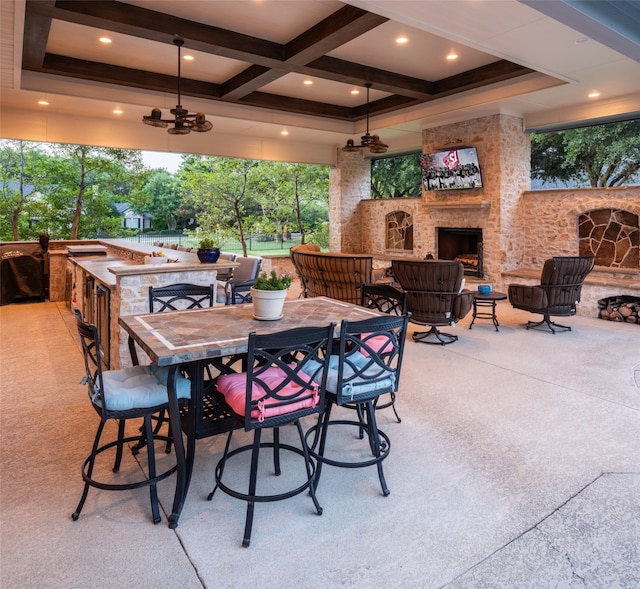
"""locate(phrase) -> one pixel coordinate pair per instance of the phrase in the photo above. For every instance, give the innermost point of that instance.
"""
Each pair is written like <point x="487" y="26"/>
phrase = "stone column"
<point x="504" y="155"/>
<point x="349" y="183"/>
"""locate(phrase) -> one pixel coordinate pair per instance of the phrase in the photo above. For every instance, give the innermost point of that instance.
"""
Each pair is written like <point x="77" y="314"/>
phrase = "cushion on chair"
<point x="374" y="379"/>
<point x="528" y="296"/>
<point x="380" y="344"/>
<point x="138" y="387"/>
<point x="234" y="386"/>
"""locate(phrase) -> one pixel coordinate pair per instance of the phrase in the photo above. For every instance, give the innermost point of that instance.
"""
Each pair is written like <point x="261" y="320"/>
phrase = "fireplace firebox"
<point x="464" y="245"/>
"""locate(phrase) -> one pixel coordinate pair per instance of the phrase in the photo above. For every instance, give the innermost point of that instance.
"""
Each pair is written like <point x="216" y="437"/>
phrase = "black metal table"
<point x="487" y="301"/>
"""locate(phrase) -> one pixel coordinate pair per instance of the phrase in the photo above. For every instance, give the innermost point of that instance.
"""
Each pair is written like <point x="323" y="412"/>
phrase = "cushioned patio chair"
<point x="287" y="383"/>
<point x="366" y="365"/>
<point x="386" y="299"/>
<point x="434" y="296"/>
<point x="174" y="297"/>
<point x="236" y="288"/>
<point x="129" y="393"/>
<point x="557" y="294"/>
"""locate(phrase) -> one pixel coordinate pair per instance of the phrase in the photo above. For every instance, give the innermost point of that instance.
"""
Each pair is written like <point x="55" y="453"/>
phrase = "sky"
<point x="158" y="159"/>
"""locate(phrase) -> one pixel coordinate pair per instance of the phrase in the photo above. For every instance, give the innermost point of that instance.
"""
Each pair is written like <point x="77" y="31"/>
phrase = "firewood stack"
<point x="621" y="308"/>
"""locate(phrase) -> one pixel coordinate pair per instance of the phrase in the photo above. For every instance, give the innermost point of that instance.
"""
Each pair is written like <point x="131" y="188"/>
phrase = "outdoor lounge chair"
<point x="434" y="296"/>
<point x="557" y="294"/>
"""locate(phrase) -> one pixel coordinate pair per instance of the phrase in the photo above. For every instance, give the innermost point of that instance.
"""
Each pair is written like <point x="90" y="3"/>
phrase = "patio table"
<point x="196" y="337"/>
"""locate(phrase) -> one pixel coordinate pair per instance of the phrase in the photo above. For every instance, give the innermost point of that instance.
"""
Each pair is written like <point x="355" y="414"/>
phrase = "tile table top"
<point x="185" y="336"/>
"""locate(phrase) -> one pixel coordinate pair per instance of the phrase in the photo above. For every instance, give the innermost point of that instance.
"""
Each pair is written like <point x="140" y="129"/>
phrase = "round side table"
<point x="487" y="301"/>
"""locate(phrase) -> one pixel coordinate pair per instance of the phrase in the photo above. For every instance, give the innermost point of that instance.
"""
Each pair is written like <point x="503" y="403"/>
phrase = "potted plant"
<point x="268" y="294"/>
<point x="207" y="252"/>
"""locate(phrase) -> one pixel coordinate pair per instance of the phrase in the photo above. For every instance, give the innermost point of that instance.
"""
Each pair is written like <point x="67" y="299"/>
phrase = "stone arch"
<point x="399" y="231"/>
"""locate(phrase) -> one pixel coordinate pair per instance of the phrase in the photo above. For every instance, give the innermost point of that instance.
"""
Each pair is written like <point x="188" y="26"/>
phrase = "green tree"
<point x="395" y="177"/>
<point x="222" y="191"/>
<point x="299" y="195"/>
<point x="159" y="196"/>
<point x="604" y="155"/>
<point x="86" y="181"/>
<point x="21" y="180"/>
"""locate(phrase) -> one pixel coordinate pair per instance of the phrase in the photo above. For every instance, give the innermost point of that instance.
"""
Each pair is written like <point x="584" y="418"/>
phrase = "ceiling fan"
<point x="372" y="142"/>
<point x="183" y="122"/>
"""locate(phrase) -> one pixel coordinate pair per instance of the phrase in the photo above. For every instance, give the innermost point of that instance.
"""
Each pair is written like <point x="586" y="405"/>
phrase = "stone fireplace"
<point x="463" y="244"/>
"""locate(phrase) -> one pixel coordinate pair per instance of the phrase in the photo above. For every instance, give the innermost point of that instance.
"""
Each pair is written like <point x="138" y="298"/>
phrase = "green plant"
<point x="273" y="281"/>
<point x="207" y="243"/>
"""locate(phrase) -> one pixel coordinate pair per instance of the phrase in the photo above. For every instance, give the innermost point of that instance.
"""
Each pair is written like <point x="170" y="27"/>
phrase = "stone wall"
<point x="550" y="217"/>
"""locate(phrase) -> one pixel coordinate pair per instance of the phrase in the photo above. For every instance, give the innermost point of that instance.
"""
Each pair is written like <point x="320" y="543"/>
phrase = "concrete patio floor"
<point x="516" y="465"/>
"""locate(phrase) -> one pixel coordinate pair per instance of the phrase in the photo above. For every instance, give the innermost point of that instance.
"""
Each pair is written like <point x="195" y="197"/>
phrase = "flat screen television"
<point x="451" y="169"/>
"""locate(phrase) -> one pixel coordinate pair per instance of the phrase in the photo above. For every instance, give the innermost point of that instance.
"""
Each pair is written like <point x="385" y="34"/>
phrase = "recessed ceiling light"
<point x="43" y="102"/>
<point x="105" y="40"/>
<point x="284" y="132"/>
<point x="594" y="94"/>
<point x="117" y="111"/>
<point x="355" y="91"/>
<point x="308" y="82"/>
<point x="581" y="41"/>
<point x="453" y="55"/>
<point x="188" y="57"/>
<point x="402" y="40"/>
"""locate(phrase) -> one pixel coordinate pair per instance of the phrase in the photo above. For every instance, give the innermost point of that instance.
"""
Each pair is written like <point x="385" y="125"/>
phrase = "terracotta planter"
<point x="268" y="304"/>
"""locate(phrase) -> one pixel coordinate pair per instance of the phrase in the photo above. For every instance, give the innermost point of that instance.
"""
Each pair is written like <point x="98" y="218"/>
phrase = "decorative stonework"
<point x="399" y="231"/>
<point x="612" y="236"/>
<point x="550" y="218"/>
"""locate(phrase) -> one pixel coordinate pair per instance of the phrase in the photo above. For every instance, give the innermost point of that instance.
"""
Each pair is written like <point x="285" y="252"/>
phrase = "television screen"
<point x="451" y="169"/>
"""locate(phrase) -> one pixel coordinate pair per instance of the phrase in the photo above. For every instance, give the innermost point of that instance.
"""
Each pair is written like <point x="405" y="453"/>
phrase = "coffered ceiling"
<point x="264" y="67"/>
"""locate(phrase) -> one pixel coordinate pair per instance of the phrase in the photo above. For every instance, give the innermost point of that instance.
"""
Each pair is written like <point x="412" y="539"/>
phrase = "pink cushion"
<point x="234" y="386"/>
<point x="380" y="344"/>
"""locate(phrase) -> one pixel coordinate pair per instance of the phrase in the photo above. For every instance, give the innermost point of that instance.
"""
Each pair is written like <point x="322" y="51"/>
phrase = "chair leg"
<point x="321" y="429"/>
<point x="276" y="451"/>
<point x="151" y="459"/>
<point x="391" y="403"/>
<point x="374" y="443"/>
<point x="160" y="419"/>
<point x="120" y="445"/>
<point x="547" y="325"/>
<point x="253" y="477"/>
<point x="440" y="337"/>
<point x="309" y="466"/>
<point x="222" y="464"/>
<point x="92" y="460"/>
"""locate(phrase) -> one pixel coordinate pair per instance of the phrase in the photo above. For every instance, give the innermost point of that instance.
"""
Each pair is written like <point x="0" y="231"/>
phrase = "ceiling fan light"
<point x="350" y="146"/>
<point x="179" y="128"/>
<point x="376" y="146"/>
<point x="200" y="123"/>
<point x="154" y="119"/>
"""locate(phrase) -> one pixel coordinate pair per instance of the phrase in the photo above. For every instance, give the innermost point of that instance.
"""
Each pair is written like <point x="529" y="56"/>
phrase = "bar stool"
<point x="134" y="392"/>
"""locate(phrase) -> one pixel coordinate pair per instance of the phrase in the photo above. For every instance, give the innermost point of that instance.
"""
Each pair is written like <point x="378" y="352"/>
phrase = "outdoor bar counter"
<point x="114" y="280"/>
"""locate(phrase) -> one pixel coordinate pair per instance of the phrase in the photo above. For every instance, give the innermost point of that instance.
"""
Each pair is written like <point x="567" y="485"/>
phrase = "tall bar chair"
<point x="366" y="365"/>
<point x="174" y="297"/>
<point x="393" y="301"/>
<point x="285" y="382"/>
<point x="129" y="393"/>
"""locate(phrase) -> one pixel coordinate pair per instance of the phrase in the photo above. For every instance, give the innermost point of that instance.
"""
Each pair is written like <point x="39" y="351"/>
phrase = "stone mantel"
<point x="458" y="205"/>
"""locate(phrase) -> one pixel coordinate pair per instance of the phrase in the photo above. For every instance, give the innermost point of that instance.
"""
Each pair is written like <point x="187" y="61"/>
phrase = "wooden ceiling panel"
<point x="249" y="67"/>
